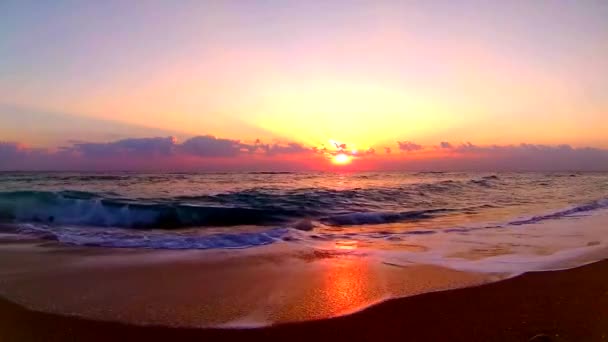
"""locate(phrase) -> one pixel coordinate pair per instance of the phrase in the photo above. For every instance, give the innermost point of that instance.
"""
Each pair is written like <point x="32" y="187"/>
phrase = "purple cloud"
<point x="165" y="153"/>
<point x="530" y="157"/>
<point x="521" y="148"/>
<point x="408" y="146"/>
<point x="205" y="146"/>
<point x="289" y="148"/>
<point x="210" y="146"/>
<point x="278" y="148"/>
<point x="133" y="146"/>
<point x="9" y="150"/>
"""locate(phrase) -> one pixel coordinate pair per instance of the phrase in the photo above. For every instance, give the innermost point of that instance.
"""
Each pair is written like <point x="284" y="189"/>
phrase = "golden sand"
<point x="274" y="284"/>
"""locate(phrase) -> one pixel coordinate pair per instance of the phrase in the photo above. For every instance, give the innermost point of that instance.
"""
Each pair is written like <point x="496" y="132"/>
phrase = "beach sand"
<point x="203" y="289"/>
<point x="568" y="305"/>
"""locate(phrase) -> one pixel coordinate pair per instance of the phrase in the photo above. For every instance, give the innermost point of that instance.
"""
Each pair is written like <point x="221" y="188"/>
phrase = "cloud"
<point x="210" y="146"/>
<point x="278" y="148"/>
<point x="9" y="150"/>
<point x="149" y="153"/>
<point x="15" y="156"/>
<point x="409" y="146"/>
<point x="133" y="146"/>
<point x="531" y="157"/>
<point x="211" y="153"/>
<point x="289" y="148"/>
<point x="206" y="146"/>
<point x="524" y="148"/>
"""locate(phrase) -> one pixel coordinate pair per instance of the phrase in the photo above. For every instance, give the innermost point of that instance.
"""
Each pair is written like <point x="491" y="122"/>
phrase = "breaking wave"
<point x="89" y="209"/>
<point x="83" y="218"/>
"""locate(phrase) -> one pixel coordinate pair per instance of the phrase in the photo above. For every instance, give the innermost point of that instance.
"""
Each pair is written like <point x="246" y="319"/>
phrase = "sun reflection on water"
<point x="347" y="245"/>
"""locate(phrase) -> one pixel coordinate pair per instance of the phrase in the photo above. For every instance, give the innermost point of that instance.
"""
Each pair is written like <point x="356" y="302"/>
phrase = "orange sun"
<point x="341" y="159"/>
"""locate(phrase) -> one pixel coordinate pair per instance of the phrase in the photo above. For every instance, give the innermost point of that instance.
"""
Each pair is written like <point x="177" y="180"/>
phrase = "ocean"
<point x="258" y="248"/>
<point x="375" y="210"/>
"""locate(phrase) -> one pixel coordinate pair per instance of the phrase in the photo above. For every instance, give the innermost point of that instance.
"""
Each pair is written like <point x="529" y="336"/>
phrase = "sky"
<point x="211" y="85"/>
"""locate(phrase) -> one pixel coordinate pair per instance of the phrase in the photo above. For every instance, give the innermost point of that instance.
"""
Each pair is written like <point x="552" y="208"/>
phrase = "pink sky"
<point x="84" y="82"/>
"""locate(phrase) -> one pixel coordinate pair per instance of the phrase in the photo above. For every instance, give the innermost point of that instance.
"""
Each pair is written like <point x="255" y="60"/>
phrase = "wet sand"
<point x="569" y="305"/>
<point x="203" y="289"/>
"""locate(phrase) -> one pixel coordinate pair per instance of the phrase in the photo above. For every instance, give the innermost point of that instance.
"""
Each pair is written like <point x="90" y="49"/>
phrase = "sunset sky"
<point x="268" y="84"/>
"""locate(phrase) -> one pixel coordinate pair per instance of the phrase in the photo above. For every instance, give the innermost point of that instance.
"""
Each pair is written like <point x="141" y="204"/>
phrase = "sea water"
<point x="378" y="211"/>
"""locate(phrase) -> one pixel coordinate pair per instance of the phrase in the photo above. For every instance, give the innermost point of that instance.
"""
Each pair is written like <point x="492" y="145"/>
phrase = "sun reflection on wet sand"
<point x="343" y="285"/>
<point x="332" y="286"/>
<point x="349" y="283"/>
<point x="209" y="289"/>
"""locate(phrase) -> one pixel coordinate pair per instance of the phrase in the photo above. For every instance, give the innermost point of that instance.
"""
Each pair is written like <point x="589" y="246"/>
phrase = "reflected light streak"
<point x="347" y="286"/>
<point x="347" y="245"/>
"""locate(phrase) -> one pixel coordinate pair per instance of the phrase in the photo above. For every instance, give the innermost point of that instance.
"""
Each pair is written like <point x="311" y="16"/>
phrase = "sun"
<point x="341" y="159"/>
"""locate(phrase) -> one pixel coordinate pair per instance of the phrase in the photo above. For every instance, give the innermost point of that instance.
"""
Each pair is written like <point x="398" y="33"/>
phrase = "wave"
<point x="124" y="238"/>
<point x="199" y="239"/>
<point x="369" y="218"/>
<point x="595" y="205"/>
<point x="83" y="208"/>
<point x="251" y="207"/>
<point x="268" y="199"/>
<point x="260" y="207"/>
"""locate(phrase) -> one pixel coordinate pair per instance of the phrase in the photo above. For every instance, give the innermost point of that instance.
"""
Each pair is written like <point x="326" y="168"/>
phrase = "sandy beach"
<point x="568" y="305"/>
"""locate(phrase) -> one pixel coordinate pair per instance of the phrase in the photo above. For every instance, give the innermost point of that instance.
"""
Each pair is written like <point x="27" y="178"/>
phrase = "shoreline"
<point x="566" y="305"/>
